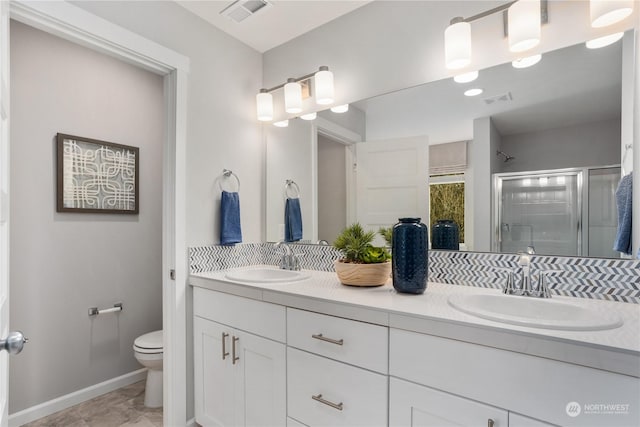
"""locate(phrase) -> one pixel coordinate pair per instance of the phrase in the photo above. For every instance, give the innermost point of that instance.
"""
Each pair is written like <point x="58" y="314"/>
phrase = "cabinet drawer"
<point x="350" y="341"/>
<point x="344" y="395"/>
<point x="261" y="318"/>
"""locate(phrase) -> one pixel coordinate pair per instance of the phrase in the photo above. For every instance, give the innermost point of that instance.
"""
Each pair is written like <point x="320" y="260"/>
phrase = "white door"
<point x="4" y="204"/>
<point x="392" y="181"/>
<point x="414" y="405"/>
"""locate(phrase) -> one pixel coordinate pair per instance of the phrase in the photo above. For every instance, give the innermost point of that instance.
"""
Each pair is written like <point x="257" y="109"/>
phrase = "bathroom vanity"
<point x="310" y="351"/>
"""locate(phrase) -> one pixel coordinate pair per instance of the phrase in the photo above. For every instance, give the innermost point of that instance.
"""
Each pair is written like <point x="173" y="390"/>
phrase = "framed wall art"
<point x="96" y="176"/>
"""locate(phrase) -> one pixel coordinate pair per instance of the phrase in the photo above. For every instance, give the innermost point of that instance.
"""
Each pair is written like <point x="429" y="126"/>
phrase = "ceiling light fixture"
<point x="282" y="123"/>
<point x="522" y="20"/>
<point x="295" y="90"/>
<point x="473" y="92"/>
<point x="310" y="116"/>
<point x="607" y="12"/>
<point x="526" y="62"/>
<point x="340" y="108"/>
<point x="604" y="41"/>
<point x="466" y="77"/>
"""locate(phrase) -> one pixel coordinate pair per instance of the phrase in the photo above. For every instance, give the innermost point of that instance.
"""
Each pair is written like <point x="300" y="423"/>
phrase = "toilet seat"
<point x="150" y="343"/>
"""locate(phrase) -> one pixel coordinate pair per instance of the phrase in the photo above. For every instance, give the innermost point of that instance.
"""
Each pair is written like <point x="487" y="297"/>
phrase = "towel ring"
<point x="291" y="184"/>
<point x="627" y="147"/>
<point x="227" y="173"/>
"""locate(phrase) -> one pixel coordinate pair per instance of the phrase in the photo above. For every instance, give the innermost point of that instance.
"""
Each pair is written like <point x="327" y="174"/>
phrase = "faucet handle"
<point x="542" y="290"/>
<point x="509" y="287"/>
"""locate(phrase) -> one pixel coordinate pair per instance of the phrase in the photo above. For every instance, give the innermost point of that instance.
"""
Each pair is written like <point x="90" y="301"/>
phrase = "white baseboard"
<point x="63" y="402"/>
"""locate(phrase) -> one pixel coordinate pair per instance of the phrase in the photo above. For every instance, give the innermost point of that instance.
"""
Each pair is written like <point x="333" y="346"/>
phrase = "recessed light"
<point x="282" y="124"/>
<point x="526" y="62"/>
<point x="310" y="116"/>
<point x="473" y="92"/>
<point x="340" y="108"/>
<point x="604" y="41"/>
<point x="466" y="77"/>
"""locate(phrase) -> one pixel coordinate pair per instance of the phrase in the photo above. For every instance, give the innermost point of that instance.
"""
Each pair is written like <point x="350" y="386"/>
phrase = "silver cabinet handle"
<point x="323" y="338"/>
<point x="490" y="422"/>
<point x="14" y="342"/>
<point x="225" y="353"/>
<point x="319" y="398"/>
<point x="234" y="358"/>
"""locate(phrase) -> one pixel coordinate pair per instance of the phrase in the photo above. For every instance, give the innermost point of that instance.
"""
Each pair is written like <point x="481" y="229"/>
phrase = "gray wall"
<point x="332" y="194"/>
<point x="587" y="144"/>
<point x="64" y="263"/>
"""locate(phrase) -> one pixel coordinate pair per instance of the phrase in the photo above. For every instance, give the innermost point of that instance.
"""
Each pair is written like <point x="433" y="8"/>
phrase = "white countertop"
<point x="616" y="350"/>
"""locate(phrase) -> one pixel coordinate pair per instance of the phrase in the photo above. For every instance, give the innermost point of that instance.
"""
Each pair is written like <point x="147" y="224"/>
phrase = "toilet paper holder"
<point x="93" y="311"/>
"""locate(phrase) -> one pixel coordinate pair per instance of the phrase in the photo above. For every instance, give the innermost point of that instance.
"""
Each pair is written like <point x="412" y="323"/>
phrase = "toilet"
<point x="148" y="351"/>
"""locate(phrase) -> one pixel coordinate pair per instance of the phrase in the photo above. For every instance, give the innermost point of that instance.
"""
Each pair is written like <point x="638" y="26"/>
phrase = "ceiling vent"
<point x="505" y="97"/>
<point x="240" y="10"/>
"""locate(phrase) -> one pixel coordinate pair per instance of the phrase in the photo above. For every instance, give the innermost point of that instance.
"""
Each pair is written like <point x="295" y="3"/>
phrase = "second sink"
<point x="535" y="312"/>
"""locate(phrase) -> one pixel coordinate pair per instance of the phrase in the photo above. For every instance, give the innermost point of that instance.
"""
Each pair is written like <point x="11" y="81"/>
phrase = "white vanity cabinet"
<point x="457" y="378"/>
<point x="239" y="376"/>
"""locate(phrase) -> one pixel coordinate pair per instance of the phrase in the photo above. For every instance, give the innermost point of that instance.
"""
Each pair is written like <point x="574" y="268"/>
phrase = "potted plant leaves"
<point x="362" y="264"/>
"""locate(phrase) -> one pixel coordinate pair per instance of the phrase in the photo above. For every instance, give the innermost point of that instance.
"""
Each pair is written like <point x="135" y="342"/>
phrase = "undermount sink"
<point x="266" y="275"/>
<point x="534" y="312"/>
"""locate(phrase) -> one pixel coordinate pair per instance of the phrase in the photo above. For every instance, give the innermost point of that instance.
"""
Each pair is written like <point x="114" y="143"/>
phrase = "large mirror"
<point x="530" y="136"/>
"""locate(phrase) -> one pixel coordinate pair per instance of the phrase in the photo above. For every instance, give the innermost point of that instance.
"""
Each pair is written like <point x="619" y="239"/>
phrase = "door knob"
<point x="14" y="342"/>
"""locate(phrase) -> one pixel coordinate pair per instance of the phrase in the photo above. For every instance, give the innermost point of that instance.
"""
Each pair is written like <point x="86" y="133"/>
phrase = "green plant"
<point x="387" y="234"/>
<point x="355" y="245"/>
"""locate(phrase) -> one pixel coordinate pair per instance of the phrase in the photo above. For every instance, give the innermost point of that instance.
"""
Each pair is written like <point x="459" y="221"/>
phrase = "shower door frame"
<point x="498" y="178"/>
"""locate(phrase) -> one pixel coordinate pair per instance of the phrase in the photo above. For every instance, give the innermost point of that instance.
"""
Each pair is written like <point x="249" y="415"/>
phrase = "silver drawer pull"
<point x="332" y="341"/>
<point x="319" y="398"/>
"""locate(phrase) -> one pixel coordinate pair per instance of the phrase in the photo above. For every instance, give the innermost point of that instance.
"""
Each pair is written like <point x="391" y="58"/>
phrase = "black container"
<point x="445" y="234"/>
<point x="409" y="256"/>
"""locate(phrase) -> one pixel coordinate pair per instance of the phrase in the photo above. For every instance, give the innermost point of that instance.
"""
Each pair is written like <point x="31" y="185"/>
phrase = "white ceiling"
<point x="275" y="25"/>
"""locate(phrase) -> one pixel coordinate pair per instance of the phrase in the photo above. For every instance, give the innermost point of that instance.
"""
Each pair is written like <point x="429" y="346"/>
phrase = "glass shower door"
<point x="542" y="211"/>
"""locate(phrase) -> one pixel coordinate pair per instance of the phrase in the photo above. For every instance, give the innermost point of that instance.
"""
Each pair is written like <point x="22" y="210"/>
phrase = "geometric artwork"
<point x="96" y="176"/>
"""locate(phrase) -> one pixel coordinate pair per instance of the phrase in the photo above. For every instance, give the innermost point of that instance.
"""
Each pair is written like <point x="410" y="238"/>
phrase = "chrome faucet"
<point x="525" y="287"/>
<point x="289" y="260"/>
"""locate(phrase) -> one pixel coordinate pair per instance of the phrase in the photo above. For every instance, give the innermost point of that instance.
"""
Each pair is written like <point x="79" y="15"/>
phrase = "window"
<point x="446" y="200"/>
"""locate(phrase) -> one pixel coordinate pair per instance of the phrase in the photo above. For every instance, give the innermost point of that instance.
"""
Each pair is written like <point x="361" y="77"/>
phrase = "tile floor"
<point x="120" y="408"/>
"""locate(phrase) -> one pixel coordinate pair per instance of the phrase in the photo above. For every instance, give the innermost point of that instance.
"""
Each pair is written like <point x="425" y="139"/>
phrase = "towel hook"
<point x="227" y="174"/>
<point x="291" y="184"/>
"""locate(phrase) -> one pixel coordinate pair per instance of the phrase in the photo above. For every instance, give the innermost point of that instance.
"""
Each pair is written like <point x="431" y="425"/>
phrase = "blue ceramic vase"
<point x="409" y="256"/>
<point x="445" y="234"/>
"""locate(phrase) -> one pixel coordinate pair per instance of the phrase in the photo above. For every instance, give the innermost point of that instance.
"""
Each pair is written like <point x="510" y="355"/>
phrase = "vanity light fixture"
<point x="607" y="12"/>
<point x="524" y="25"/>
<point x="295" y="90"/>
<point x="466" y="77"/>
<point x="473" y="92"/>
<point x="522" y="22"/>
<point x="526" y="62"/>
<point x="603" y="41"/>
<point x="282" y="124"/>
<point x="340" y="108"/>
<point x="310" y="116"/>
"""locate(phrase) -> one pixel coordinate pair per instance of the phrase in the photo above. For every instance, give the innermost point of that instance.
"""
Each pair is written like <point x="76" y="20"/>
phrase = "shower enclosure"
<point x="557" y="212"/>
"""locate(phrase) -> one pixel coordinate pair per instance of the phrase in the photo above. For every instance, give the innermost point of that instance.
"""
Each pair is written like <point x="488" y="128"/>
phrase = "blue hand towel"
<point x="230" y="232"/>
<point x="625" y="207"/>
<point x="292" y="220"/>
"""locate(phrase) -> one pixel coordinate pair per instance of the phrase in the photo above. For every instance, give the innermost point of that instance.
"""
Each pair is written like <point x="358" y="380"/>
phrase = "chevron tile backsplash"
<point x="597" y="278"/>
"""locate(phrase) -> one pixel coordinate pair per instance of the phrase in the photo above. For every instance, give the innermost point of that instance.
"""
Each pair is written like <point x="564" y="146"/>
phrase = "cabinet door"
<point x="261" y="387"/>
<point x="214" y="376"/>
<point x="415" y="405"/>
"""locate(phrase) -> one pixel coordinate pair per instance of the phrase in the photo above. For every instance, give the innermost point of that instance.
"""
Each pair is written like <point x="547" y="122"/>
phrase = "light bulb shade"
<point x="604" y="41"/>
<point x="340" y="108"/>
<point x="466" y="77"/>
<point x="293" y="97"/>
<point x="607" y="12"/>
<point x="526" y="62"/>
<point x="524" y="25"/>
<point x="264" y="105"/>
<point x="310" y="116"/>
<point x="324" y="87"/>
<point x="282" y="124"/>
<point x="457" y="45"/>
